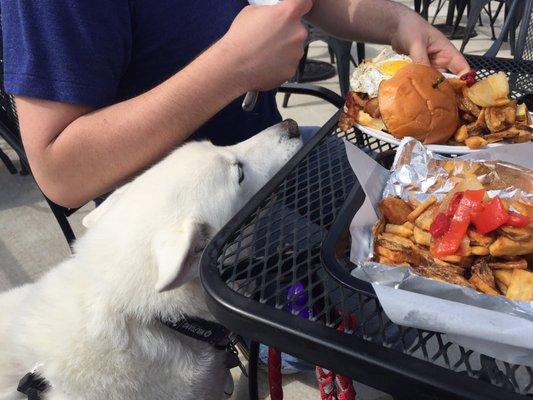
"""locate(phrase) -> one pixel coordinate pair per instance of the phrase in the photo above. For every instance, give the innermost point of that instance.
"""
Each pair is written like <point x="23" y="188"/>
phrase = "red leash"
<point x="331" y="386"/>
<point x="334" y="386"/>
<point x="274" y="374"/>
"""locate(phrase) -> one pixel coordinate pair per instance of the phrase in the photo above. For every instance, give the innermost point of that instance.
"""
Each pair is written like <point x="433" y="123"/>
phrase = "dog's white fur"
<point x="89" y="325"/>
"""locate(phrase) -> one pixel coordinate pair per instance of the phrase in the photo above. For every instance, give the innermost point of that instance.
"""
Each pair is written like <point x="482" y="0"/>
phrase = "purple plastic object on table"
<point x="298" y="299"/>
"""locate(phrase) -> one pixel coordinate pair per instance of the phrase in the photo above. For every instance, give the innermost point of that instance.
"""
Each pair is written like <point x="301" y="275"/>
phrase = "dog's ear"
<point x="91" y="218"/>
<point x="176" y="249"/>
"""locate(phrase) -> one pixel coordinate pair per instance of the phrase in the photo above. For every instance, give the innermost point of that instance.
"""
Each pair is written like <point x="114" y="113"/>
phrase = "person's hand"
<point x="426" y="45"/>
<point x="267" y="43"/>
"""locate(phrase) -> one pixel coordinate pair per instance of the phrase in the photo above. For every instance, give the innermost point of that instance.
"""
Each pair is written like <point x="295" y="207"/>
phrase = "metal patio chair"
<point x="513" y="10"/>
<point x="340" y="52"/>
<point x="9" y="131"/>
<point x="524" y="46"/>
<point x="511" y="22"/>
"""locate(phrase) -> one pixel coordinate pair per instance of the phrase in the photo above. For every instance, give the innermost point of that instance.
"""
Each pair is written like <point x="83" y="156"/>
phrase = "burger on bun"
<point x="419" y="102"/>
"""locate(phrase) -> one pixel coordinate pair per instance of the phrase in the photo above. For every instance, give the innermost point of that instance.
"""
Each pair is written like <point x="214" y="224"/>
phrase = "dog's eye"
<point x="241" y="172"/>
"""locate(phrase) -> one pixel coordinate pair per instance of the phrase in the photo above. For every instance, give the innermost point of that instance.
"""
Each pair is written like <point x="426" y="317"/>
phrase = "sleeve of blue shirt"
<point x="66" y="50"/>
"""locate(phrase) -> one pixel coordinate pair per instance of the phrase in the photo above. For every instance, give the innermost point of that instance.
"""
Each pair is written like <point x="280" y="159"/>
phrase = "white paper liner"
<point x="491" y="325"/>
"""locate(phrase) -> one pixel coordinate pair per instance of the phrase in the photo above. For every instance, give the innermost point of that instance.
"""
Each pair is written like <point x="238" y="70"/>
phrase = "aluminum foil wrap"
<point x="492" y="325"/>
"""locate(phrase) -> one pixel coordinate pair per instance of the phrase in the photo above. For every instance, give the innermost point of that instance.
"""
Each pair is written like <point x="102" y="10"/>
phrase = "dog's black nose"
<point x="292" y="128"/>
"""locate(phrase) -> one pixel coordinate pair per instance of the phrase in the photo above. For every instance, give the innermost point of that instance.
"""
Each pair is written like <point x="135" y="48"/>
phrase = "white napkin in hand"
<point x="263" y="2"/>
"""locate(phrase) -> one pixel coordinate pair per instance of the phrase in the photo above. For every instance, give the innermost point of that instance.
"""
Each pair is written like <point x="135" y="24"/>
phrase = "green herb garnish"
<point x="438" y="82"/>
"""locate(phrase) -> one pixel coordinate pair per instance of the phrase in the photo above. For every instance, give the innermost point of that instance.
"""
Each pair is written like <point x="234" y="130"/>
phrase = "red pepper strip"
<point x="454" y="202"/>
<point x="440" y="225"/>
<point x="517" y="220"/>
<point x="491" y="217"/>
<point x="477" y="210"/>
<point x="469" y="77"/>
<point x="450" y="242"/>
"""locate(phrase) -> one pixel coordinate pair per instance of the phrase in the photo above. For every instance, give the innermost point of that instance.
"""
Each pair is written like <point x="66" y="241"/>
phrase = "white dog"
<point x="89" y="326"/>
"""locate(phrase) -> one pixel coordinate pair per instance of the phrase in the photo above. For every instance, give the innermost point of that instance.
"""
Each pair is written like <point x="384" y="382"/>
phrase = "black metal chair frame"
<point x="60" y="213"/>
<point x="524" y="48"/>
<point x="509" y="25"/>
<point x="8" y="163"/>
<point x="512" y="8"/>
<point x="340" y="52"/>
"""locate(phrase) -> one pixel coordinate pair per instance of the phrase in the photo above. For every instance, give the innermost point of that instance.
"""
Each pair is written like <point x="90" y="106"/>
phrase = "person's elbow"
<point x="59" y="187"/>
<point x="65" y="198"/>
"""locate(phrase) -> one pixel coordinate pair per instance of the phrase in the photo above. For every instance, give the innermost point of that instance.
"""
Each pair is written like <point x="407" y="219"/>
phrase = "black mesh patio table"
<point x="276" y="240"/>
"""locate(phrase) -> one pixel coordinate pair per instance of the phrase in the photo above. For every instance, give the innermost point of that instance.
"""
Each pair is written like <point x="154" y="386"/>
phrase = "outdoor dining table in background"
<point x="277" y="240"/>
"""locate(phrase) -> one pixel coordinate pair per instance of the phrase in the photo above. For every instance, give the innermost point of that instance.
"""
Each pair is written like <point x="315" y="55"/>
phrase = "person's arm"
<point x="388" y="22"/>
<point x="77" y="153"/>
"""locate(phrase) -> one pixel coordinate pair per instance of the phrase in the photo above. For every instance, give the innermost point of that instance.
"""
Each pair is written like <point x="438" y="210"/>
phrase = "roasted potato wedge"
<point x="467" y="106"/>
<point x="475" y="142"/>
<point x="491" y="91"/>
<point x="503" y="246"/>
<point x="479" y="251"/>
<point x="501" y="287"/>
<point x="519" y="263"/>
<point x="422" y="237"/>
<point x="440" y="274"/>
<point x="510" y="133"/>
<point x="395" y="242"/>
<point x="521" y="286"/>
<point x="522" y="114"/>
<point x="400" y="230"/>
<point x="476" y="129"/>
<point x="395" y="257"/>
<point x="483" y="279"/>
<point x="413" y="215"/>
<point x="477" y="239"/>
<point x="461" y="134"/>
<point x="425" y="219"/>
<point x="454" y="259"/>
<point x="395" y="210"/>
<point x="500" y="118"/>
<point x="517" y="234"/>
<point x="522" y="137"/>
<point x="503" y="275"/>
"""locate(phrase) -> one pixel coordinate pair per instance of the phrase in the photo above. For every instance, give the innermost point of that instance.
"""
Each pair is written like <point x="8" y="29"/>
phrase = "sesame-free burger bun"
<point x="411" y="105"/>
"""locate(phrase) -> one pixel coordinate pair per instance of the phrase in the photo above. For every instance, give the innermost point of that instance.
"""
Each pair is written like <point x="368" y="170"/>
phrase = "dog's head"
<point x="163" y="219"/>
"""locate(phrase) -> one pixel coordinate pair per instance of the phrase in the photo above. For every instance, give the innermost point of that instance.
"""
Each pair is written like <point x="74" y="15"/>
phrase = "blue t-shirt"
<point x="100" y="52"/>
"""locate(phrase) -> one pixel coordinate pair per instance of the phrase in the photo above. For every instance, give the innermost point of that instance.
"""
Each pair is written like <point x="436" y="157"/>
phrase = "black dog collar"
<point x="32" y="386"/>
<point x="200" y="329"/>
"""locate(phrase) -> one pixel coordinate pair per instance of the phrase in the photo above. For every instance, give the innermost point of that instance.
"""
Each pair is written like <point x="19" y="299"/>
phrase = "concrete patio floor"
<point x="31" y="241"/>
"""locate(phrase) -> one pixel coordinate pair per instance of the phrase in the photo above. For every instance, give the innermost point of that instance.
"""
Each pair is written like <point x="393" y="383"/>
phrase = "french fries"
<point x="479" y="251"/>
<point x="495" y="263"/>
<point x="425" y="219"/>
<point x="477" y="239"/>
<point x="401" y="230"/>
<point x="413" y="215"/>
<point x="483" y="279"/>
<point x="521" y="286"/>
<point x="503" y="246"/>
<point x="422" y="237"/>
<point x="503" y="276"/>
